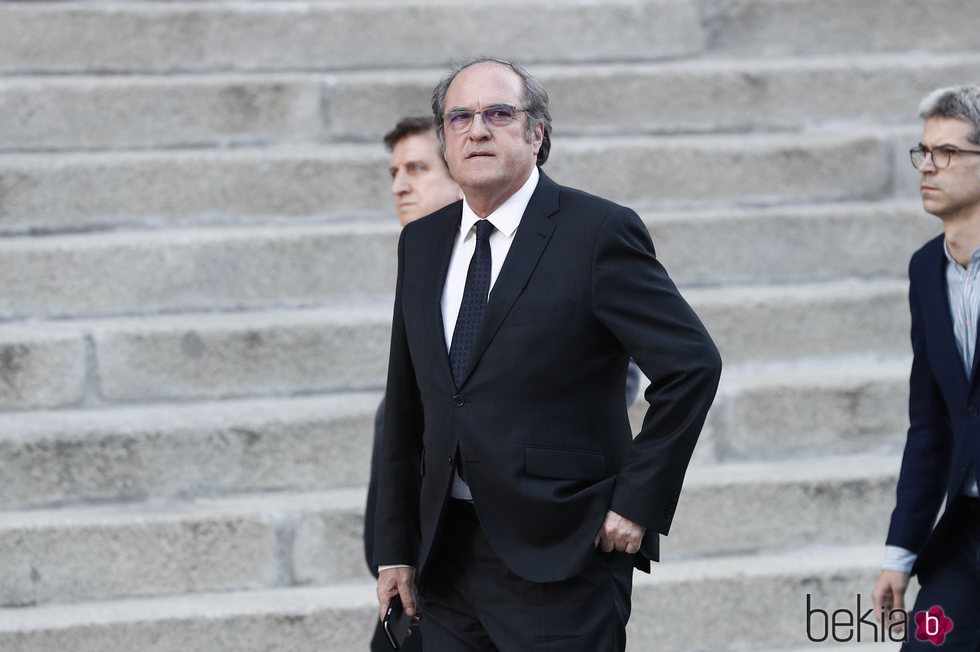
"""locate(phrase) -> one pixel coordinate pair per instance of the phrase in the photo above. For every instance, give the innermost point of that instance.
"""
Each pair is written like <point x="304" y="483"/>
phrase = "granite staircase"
<point x="197" y="262"/>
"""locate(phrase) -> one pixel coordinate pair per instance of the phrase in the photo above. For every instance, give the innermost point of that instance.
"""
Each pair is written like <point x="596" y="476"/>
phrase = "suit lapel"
<point x="943" y="333"/>
<point x="435" y="281"/>
<point x="533" y="234"/>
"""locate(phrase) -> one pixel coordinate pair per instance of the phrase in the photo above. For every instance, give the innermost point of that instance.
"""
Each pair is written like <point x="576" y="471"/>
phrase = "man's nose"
<point x="928" y="166"/>
<point x="400" y="184"/>
<point x="478" y="128"/>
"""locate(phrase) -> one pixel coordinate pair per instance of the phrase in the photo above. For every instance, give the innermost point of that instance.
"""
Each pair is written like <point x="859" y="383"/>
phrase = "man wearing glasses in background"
<point x="512" y="493"/>
<point x="942" y="452"/>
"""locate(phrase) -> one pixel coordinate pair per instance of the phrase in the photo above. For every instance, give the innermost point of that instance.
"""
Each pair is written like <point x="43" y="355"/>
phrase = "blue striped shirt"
<point x="963" y="287"/>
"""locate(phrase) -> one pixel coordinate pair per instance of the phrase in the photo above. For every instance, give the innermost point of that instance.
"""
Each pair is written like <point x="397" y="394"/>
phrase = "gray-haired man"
<point x="509" y="477"/>
<point x="942" y="452"/>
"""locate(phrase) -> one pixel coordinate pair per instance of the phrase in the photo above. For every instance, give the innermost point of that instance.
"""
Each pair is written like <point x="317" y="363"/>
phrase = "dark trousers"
<point x="952" y="582"/>
<point x="471" y="601"/>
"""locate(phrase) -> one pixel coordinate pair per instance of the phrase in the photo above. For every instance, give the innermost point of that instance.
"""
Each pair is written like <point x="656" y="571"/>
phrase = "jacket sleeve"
<point x="636" y="300"/>
<point x="396" y="525"/>
<point x="928" y="446"/>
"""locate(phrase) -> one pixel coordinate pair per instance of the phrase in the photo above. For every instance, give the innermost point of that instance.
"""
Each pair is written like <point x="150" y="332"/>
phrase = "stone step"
<point x="778" y="28"/>
<point x="843" y="499"/>
<point x="42" y="367"/>
<point x="749" y="602"/>
<point x="262" y="267"/>
<point x="704" y="95"/>
<point x="162" y="37"/>
<point x="251" y="542"/>
<point x="89" y="190"/>
<point x="164" y="548"/>
<point x="670" y="610"/>
<point x="769" y="323"/>
<point x="790" y="244"/>
<point x="344" y="347"/>
<point x="43" y="37"/>
<point x="837" y="404"/>
<point x="173" y="450"/>
<point x="169" y="451"/>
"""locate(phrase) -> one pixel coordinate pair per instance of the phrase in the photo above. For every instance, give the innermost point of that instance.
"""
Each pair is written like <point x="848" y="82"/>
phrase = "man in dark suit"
<point x="512" y="494"/>
<point x="942" y="452"/>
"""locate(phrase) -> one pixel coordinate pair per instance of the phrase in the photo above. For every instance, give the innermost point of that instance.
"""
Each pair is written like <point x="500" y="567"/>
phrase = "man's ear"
<point x="538" y="137"/>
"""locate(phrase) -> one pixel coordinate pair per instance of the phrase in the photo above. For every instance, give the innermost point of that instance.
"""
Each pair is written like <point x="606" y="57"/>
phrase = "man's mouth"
<point x="476" y="154"/>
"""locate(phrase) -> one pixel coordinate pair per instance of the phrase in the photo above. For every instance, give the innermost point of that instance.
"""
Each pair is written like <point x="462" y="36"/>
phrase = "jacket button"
<point x="973" y="412"/>
<point x="458" y="400"/>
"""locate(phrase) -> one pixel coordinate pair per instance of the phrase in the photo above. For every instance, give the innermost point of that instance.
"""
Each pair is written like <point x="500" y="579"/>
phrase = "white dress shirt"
<point x="505" y="221"/>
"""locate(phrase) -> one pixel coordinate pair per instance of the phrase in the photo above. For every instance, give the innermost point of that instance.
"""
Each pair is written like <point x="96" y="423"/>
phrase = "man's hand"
<point x="619" y="533"/>
<point x="396" y="581"/>
<point x="889" y="592"/>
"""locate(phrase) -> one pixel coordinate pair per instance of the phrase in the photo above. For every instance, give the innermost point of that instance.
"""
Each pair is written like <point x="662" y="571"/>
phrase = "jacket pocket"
<point x="564" y="463"/>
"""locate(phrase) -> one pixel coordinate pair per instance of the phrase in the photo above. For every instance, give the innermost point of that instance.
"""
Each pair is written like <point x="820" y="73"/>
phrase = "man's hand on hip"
<point x="889" y="592"/>
<point x="396" y="581"/>
<point x="619" y="533"/>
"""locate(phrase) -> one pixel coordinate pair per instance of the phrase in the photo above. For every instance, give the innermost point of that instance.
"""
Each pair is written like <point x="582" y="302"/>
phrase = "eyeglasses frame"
<point x="482" y="113"/>
<point x="929" y="153"/>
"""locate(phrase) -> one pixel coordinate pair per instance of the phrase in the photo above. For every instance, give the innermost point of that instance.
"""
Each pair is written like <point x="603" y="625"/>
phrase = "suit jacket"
<point x="944" y="414"/>
<point x="632" y="387"/>
<point x="539" y="421"/>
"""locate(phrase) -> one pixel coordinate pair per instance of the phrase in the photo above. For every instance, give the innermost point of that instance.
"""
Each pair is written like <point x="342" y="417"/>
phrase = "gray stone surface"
<point x="670" y="610"/>
<point x="699" y="95"/>
<point x="263" y="541"/>
<point x="123" y="112"/>
<point x="328" y="545"/>
<point x="789" y="410"/>
<point x="790" y="244"/>
<point x="843" y="405"/>
<point x="777" y="27"/>
<point x="834" y="500"/>
<point x="41" y="367"/>
<point x="906" y="178"/>
<point x="725" y="169"/>
<point x="263" y="267"/>
<point x="196" y="269"/>
<point x="166" y="37"/>
<point x="140" y="550"/>
<point x="79" y="190"/>
<point x="746" y="603"/>
<point x="335" y="619"/>
<point x="212" y="356"/>
<point x="215" y="356"/>
<point x="702" y="95"/>
<point x="187" y="450"/>
<point x="756" y="323"/>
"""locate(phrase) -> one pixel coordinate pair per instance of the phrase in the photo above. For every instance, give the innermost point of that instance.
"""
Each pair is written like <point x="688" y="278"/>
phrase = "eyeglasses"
<point x="498" y="115"/>
<point x="941" y="156"/>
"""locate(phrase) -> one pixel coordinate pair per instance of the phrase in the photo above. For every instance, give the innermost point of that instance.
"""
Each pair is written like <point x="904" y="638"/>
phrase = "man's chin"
<point x="406" y="218"/>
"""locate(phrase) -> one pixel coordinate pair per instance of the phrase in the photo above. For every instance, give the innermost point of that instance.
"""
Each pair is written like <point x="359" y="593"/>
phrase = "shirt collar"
<point x="974" y="257"/>
<point x="508" y="215"/>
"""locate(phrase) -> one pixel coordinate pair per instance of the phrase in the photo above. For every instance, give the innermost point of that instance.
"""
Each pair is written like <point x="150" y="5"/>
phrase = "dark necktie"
<point x="474" y="302"/>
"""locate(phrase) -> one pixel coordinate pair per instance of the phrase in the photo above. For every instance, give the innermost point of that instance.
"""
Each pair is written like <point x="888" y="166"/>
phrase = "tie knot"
<point x="483" y="229"/>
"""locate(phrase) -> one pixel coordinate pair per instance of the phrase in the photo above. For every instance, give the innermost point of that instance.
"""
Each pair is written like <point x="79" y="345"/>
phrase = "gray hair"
<point x="961" y="102"/>
<point x="535" y="103"/>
